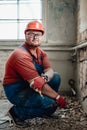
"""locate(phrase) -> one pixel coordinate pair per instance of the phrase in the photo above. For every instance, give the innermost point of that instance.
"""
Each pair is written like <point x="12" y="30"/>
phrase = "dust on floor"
<point x="71" y="118"/>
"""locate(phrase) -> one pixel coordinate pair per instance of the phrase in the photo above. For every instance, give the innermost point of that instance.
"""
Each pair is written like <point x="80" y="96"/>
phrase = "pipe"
<point x="80" y="46"/>
<point x="48" y="47"/>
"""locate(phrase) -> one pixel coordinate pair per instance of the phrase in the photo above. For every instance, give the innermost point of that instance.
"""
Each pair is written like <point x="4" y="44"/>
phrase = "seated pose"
<point x="30" y="83"/>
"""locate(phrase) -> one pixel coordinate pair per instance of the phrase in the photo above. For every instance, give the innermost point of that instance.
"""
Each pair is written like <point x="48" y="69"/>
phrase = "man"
<point x="29" y="82"/>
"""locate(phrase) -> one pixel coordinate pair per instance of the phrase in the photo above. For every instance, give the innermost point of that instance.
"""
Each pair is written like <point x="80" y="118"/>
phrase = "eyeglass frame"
<point x="34" y="34"/>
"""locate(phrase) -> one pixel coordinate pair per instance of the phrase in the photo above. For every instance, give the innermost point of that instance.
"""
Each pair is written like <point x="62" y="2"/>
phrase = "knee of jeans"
<point x="47" y="103"/>
<point x="49" y="111"/>
<point x="57" y="78"/>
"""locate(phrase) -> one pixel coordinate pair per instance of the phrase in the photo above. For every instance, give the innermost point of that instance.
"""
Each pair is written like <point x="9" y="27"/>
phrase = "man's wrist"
<point x="58" y="96"/>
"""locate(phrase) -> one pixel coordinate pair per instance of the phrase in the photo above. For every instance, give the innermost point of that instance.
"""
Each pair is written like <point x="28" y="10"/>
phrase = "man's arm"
<point x="47" y="90"/>
<point x="42" y="87"/>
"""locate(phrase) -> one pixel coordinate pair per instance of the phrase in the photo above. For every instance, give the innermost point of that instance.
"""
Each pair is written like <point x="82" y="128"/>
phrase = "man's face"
<point x="33" y="38"/>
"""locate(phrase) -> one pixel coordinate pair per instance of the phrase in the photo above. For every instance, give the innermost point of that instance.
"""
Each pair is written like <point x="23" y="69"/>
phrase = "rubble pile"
<point x="71" y="118"/>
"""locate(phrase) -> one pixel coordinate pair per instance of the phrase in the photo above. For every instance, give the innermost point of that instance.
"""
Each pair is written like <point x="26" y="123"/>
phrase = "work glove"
<point x="61" y="101"/>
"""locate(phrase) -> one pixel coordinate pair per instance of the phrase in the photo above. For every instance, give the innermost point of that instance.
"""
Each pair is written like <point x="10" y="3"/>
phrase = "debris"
<point x="73" y="118"/>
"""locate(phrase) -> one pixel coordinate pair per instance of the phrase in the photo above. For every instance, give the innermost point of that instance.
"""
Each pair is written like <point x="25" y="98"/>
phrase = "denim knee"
<point x="48" y="106"/>
<point x="47" y="102"/>
<point x="55" y="81"/>
<point x="57" y="78"/>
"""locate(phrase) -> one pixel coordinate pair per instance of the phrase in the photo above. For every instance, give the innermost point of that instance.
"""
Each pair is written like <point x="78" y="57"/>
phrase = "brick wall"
<point x="82" y="52"/>
<point x="83" y="72"/>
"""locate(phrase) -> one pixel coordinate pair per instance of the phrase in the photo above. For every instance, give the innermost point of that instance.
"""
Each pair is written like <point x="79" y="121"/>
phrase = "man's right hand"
<point x="61" y="101"/>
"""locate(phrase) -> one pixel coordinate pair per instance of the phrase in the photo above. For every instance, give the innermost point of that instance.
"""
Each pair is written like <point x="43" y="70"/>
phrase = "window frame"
<point x="44" y="13"/>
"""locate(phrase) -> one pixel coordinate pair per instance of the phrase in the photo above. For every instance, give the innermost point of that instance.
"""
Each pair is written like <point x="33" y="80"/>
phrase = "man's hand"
<point x="61" y="101"/>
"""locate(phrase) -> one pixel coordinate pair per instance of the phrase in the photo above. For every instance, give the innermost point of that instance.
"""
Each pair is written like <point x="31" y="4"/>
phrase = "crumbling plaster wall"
<point x="81" y="73"/>
<point x="61" y="34"/>
<point x="61" y="22"/>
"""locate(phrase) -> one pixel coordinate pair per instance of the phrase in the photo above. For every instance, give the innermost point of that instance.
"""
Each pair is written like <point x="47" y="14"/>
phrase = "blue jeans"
<point x="28" y="103"/>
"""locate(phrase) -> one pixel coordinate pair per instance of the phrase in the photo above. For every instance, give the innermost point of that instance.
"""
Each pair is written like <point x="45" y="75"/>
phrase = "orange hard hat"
<point x="35" y="25"/>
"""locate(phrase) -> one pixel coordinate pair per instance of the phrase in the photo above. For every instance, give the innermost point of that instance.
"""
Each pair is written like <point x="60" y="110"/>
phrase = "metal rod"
<point x="80" y="46"/>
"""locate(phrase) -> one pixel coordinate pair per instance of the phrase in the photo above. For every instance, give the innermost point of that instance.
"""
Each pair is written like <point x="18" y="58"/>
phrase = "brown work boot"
<point x="17" y="122"/>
